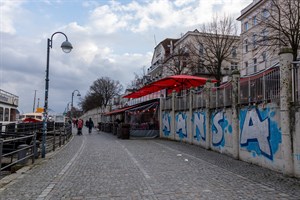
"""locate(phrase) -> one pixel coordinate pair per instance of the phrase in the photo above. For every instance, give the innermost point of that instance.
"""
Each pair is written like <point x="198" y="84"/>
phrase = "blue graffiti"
<point x="260" y="133"/>
<point x="220" y="126"/>
<point x="166" y="122"/>
<point x="198" y="120"/>
<point x="181" y="125"/>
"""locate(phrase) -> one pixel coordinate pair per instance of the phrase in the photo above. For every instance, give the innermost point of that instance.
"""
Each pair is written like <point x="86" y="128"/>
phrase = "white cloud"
<point x="104" y="20"/>
<point x="115" y="40"/>
<point x="180" y="3"/>
<point x="9" y="10"/>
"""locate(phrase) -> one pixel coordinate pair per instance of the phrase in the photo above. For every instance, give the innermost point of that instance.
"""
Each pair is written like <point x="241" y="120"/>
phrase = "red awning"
<point x="176" y="82"/>
<point x="119" y="110"/>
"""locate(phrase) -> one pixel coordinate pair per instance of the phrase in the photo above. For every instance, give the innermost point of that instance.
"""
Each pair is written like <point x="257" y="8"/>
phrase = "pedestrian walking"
<point x="79" y="126"/>
<point x="90" y="125"/>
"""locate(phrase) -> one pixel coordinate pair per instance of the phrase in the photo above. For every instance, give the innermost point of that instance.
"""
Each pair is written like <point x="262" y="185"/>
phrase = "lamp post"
<point x="67" y="108"/>
<point x="78" y="94"/>
<point x="66" y="47"/>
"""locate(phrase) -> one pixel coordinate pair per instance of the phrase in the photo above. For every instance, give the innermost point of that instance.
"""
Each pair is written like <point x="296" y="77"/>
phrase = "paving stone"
<point x="101" y="166"/>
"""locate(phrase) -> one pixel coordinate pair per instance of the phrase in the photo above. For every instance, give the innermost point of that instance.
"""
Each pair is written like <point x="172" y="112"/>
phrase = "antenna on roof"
<point x="155" y="40"/>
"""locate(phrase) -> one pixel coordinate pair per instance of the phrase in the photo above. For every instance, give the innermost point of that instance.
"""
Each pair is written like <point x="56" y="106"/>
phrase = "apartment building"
<point x="200" y="61"/>
<point x="257" y="53"/>
<point x="187" y="55"/>
<point x="161" y="52"/>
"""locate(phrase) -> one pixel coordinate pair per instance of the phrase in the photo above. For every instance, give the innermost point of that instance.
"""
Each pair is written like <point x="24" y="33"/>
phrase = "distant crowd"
<point x="78" y="123"/>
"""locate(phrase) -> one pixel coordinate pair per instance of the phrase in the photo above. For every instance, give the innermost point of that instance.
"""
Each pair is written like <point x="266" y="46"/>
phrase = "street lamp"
<point x="78" y="94"/>
<point x="67" y="108"/>
<point x="66" y="47"/>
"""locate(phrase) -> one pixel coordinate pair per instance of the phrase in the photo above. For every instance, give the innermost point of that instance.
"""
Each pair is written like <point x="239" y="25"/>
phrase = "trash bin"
<point x="125" y="131"/>
<point x="115" y="128"/>
<point x="23" y="153"/>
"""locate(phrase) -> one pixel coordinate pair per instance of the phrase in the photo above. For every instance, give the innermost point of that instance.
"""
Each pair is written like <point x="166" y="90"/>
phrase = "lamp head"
<point x="78" y="94"/>
<point x="66" y="46"/>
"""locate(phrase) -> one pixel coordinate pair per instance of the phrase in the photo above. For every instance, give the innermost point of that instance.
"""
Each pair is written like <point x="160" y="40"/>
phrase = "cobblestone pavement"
<point x="100" y="166"/>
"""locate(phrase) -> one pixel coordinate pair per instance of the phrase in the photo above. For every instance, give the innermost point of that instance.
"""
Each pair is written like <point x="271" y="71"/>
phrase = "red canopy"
<point x="176" y="82"/>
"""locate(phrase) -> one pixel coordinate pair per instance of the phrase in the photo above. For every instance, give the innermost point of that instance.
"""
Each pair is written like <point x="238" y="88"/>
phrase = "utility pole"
<point x="34" y="101"/>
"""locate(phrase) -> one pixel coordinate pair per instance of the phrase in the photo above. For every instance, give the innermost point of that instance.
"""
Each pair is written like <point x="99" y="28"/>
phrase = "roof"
<point x="249" y="8"/>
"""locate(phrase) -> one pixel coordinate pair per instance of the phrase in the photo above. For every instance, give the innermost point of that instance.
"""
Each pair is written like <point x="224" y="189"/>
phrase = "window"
<point x="254" y="38"/>
<point x="246" y="26"/>
<point x="1" y="114"/>
<point x="254" y="64"/>
<point x="13" y="115"/>
<point x="233" y="52"/>
<point x="265" y="14"/>
<point x="6" y="114"/>
<point x="246" y="45"/>
<point x="254" y="20"/>
<point x="234" y="65"/>
<point x="264" y="56"/>
<point x="246" y="67"/>
<point x="264" y="34"/>
<point x="201" y="49"/>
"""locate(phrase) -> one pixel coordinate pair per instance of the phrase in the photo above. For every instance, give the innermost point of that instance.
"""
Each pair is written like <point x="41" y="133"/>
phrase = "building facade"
<point x="266" y="26"/>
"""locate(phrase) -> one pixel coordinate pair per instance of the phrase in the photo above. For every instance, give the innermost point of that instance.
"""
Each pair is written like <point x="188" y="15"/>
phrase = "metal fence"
<point x="221" y="96"/>
<point x="21" y="142"/>
<point x="198" y="99"/>
<point x="259" y="88"/>
<point x="263" y="87"/>
<point x="182" y="102"/>
<point x="167" y="103"/>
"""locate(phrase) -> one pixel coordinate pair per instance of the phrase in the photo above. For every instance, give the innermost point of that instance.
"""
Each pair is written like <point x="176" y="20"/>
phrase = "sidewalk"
<point x="100" y="166"/>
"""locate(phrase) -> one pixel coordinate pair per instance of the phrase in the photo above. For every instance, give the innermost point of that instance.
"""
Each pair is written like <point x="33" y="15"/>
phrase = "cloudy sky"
<point x="112" y="38"/>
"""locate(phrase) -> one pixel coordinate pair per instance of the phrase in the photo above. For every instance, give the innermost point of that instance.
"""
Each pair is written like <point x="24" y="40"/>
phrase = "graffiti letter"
<point x="256" y="129"/>
<point x="181" y="126"/>
<point x="166" y="124"/>
<point x="199" y="126"/>
<point x="217" y="129"/>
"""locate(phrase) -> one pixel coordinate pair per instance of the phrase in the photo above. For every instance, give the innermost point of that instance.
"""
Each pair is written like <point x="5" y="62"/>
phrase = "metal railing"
<point x="16" y="149"/>
<point x="259" y="88"/>
<point x="182" y="102"/>
<point x="263" y="87"/>
<point x="221" y="96"/>
<point x="198" y="100"/>
<point x="167" y="103"/>
<point x="21" y="142"/>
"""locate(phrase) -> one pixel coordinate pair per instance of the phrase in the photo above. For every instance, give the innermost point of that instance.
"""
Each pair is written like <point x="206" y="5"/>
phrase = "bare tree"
<point x="217" y="42"/>
<point x="91" y="101"/>
<point x="178" y="62"/>
<point x="280" y="25"/>
<point x="101" y="92"/>
<point x="138" y="80"/>
<point x="106" y="88"/>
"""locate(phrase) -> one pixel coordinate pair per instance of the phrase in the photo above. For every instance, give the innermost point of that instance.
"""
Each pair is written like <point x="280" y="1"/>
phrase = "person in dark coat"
<point x="90" y="125"/>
